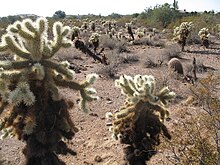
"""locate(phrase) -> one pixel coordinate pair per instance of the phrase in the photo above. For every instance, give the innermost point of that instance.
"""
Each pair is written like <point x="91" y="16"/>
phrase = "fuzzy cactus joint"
<point x="32" y="108"/>
<point x="140" y="121"/>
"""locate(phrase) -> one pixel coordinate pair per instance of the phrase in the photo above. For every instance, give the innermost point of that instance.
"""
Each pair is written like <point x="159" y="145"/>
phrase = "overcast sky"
<point x="103" y="7"/>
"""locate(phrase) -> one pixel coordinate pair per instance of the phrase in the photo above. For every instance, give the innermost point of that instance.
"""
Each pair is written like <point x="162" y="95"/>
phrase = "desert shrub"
<point x="32" y="108"/>
<point x="109" y="71"/>
<point x="149" y="41"/>
<point x="196" y="130"/>
<point x="139" y="122"/>
<point x="193" y="38"/>
<point x="119" y="46"/>
<point x="172" y="51"/>
<point x="142" y="41"/>
<point x="129" y="58"/>
<point x="69" y="56"/>
<point x="107" y="42"/>
<point x="157" y="42"/>
<point x="160" y="16"/>
<point x="153" y="62"/>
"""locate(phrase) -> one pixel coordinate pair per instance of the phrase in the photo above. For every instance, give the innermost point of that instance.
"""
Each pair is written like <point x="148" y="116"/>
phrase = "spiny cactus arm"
<point x="9" y="131"/>
<point x="29" y="24"/>
<point x="124" y="112"/>
<point x="58" y="68"/>
<point x="60" y="40"/>
<point x="7" y="75"/>
<point x="68" y="84"/>
<point x="22" y="29"/>
<point x="143" y="88"/>
<point x="22" y="93"/>
<point x="3" y="47"/>
<point x="8" y="65"/>
<point x="26" y="34"/>
<point x="163" y="113"/>
<point x="90" y="79"/>
<point x="35" y="34"/>
<point x="124" y="82"/>
<point x="87" y="94"/>
<point x="165" y="94"/>
<point x="13" y="46"/>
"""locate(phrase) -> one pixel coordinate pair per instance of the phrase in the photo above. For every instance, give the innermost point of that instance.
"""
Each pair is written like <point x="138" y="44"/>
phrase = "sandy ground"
<point x="93" y="142"/>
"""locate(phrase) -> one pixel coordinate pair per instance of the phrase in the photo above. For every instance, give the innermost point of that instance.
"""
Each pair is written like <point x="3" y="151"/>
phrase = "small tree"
<point x="162" y="15"/>
<point x="59" y="14"/>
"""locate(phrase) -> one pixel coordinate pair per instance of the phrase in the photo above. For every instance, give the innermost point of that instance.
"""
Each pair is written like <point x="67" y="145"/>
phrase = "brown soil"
<point x="93" y="142"/>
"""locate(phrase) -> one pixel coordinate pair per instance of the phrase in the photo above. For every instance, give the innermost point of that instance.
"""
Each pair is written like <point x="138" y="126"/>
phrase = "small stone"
<point x="109" y="102"/>
<point x="108" y="99"/>
<point x="105" y="138"/>
<point x="98" y="158"/>
<point x="93" y="114"/>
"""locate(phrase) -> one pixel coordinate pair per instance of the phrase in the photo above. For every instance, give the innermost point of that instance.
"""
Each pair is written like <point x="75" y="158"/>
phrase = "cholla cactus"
<point x="120" y="35"/>
<point x="140" y="33"/>
<point x="129" y="29"/>
<point x="36" y="113"/>
<point x="94" y="39"/>
<point x="75" y="33"/>
<point x="203" y="35"/>
<point x="84" y="25"/>
<point x="181" y="33"/>
<point x="140" y="121"/>
<point x="92" y="26"/>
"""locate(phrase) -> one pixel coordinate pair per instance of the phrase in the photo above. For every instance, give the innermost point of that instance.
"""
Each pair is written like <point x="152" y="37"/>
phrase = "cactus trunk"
<point x="44" y="141"/>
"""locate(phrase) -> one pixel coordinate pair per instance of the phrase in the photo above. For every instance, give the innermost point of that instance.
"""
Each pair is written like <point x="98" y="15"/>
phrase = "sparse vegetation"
<point x="196" y="131"/>
<point x="37" y="74"/>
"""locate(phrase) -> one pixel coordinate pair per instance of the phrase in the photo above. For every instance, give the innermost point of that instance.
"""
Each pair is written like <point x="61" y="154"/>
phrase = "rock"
<point x="98" y="158"/>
